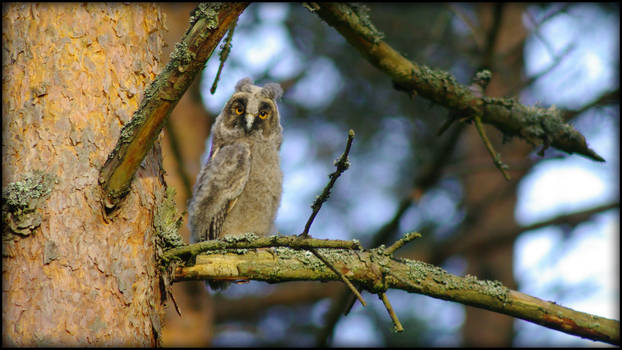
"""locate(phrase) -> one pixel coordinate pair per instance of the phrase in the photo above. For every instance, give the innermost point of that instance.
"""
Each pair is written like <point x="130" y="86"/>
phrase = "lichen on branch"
<point x="374" y="271"/>
<point x="533" y="124"/>
<point x="209" y="22"/>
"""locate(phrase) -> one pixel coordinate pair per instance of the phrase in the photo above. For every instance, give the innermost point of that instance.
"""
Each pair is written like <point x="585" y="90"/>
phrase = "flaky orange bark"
<point x="73" y="74"/>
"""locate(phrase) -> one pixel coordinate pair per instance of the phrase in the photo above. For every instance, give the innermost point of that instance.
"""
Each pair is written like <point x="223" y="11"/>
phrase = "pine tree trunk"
<point x="482" y="327"/>
<point x="73" y="74"/>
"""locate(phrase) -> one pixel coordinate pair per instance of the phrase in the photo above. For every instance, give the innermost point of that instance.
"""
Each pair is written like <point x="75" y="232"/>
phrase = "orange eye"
<point x="239" y="110"/>
<point x="263" y="115"/>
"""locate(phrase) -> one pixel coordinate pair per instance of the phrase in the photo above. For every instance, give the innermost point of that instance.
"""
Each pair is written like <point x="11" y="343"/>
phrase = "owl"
<point x="239" y="189"/>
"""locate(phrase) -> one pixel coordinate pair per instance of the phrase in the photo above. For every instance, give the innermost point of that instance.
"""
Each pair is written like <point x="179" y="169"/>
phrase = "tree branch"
<point x="208" y="24"/>
<point x="375" y="271"/>
<point x="533" y="124"/>
<point x="252" y="241"/>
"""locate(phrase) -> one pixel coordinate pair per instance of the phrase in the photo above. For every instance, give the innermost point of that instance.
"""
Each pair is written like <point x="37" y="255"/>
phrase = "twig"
<point x="208" y="24"/>
<point x="556" y="61"/>
<point x="400" y="242"/>
<point x="429" y="175"/>
<point x="175" y="303"/>
<point x="397" y="326"/>
<point x="495" y="156"/>
<point x="610" y="97"/>
<point x="224" y="54"/>
<point x="342" y="165"/>
<point x="341" y="276"/>
<point x="475" y="31"/>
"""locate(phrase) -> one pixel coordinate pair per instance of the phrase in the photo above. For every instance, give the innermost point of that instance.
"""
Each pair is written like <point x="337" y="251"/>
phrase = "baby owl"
<point x="239" y="189"/>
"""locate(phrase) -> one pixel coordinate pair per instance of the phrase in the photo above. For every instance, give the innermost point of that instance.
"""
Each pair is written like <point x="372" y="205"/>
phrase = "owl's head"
<point x="252" y="111"/>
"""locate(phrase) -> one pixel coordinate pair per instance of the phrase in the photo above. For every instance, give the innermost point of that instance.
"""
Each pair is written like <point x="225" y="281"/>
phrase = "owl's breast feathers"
<point x="221" y="182"/>
<point x="256" y="207"/>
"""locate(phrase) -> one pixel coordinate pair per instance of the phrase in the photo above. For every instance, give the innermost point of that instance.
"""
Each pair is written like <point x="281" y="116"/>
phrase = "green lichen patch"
<point x="20" y="201"/>
<point x="206" y="10"/>
<point x="361" y="15"/>
<point x="167" y="221"/>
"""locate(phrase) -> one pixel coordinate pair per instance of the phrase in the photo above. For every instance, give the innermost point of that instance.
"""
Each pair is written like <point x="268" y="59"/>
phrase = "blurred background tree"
<point x="552" y="231"/>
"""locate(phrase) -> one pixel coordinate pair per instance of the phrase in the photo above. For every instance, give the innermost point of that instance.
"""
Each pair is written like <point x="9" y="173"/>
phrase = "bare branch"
<point x="397" y="325"/>
<point x="533" y="124"/>
<point x="342" y="165"/>
<point x="209" y="23"/>
<point x="492" y="239"/>
<point x="374" y="271"/>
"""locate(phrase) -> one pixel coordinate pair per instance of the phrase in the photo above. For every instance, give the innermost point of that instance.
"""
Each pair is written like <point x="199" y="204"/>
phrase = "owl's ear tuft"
<point x="272" y="91"/>
<point x="243" y="83"/>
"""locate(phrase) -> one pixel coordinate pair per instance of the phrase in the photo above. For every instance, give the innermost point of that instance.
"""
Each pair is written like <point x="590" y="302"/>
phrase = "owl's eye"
<point x="263" y="114"/>
<point x="239" y="110"/>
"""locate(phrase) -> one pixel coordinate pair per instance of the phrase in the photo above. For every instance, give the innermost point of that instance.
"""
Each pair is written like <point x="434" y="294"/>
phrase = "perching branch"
<point x="533" y="124"/>
<point x="251" y="241"/>
<point x="375" y="271"/>
<point x="208" y="24"/>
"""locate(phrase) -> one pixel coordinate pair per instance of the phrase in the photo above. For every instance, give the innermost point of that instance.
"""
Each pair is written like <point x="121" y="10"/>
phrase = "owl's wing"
<point x="220" y="183"/>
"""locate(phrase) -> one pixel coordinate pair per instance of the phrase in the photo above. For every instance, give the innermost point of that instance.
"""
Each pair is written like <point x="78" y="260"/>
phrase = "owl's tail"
<point x="218" y="285"/>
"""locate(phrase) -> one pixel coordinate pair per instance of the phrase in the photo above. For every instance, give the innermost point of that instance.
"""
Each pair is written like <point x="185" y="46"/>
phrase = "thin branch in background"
<point x="485" y="242"/>
<point x="332" y="316"/>
<point x="254" y="306"/>
<point x="518" y="48"/>
<point x="181" y="170"/>
<point x="475" y="31"/>
<point x="609" y="97"/>
<point x="531" y="80"/>
<point x="224" y="54"/>
<point x="491" y="39"/>
<point x="537" y="34"/>
<point x="562" y="9"/>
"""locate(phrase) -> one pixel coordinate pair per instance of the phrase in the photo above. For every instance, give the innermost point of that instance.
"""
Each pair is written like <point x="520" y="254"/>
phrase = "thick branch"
<point x="209" y="23"/>
<point x="535" y="125"/>
<point x="374" y="271"/>
<point x="251" y="241"/>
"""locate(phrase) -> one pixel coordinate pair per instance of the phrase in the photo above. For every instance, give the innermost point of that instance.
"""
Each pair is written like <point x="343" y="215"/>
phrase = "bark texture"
<point x="72" y="76"/>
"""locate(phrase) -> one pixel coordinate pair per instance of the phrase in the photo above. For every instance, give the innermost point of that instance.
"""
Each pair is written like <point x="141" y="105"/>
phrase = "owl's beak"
<point x="249" y="119"/>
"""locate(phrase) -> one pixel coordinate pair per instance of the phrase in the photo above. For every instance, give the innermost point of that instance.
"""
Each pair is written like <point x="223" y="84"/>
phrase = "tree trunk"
<point x="482" y="327"/>
<point x="73" y="74"/>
